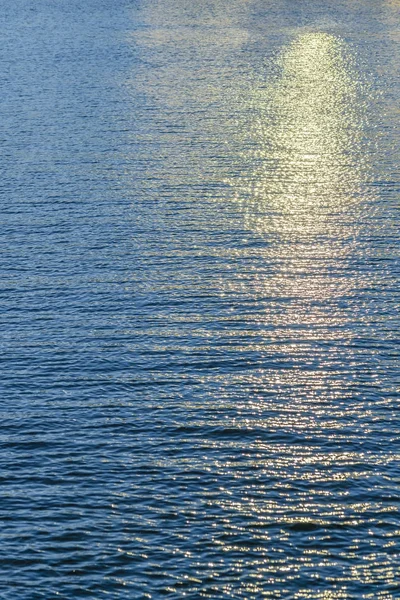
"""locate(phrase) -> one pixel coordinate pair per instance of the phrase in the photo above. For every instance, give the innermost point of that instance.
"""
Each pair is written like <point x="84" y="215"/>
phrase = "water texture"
<point x="200" y="299"/>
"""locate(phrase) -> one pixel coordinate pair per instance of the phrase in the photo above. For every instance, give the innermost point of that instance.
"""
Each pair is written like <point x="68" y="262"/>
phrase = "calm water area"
<point x="199" y="289"/>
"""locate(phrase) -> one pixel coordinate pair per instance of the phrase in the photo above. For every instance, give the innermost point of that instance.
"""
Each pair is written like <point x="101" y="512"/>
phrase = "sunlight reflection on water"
<point x="305" y="197"/>
<point x="311" y="156"/>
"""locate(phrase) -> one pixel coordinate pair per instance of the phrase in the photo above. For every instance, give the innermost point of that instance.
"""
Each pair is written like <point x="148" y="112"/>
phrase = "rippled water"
<point x="200" y="293"/>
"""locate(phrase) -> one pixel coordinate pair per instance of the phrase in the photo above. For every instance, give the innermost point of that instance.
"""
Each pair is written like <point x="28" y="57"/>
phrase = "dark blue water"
<point x="200" y="299"/>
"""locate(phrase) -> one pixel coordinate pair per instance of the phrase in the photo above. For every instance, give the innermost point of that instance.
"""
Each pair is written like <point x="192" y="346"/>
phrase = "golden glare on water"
<point x="308" y="137"/>
<point x="304" y="197"/>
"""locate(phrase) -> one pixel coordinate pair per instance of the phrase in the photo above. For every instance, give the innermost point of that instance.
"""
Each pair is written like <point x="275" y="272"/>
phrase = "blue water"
<point x="200" y="299"/>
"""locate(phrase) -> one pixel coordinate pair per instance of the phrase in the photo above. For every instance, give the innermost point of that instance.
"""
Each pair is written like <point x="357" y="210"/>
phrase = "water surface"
<point x="200" y="291"/>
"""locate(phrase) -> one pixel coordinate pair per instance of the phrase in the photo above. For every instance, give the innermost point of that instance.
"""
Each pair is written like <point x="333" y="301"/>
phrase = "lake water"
<point x="200" y="299"/>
